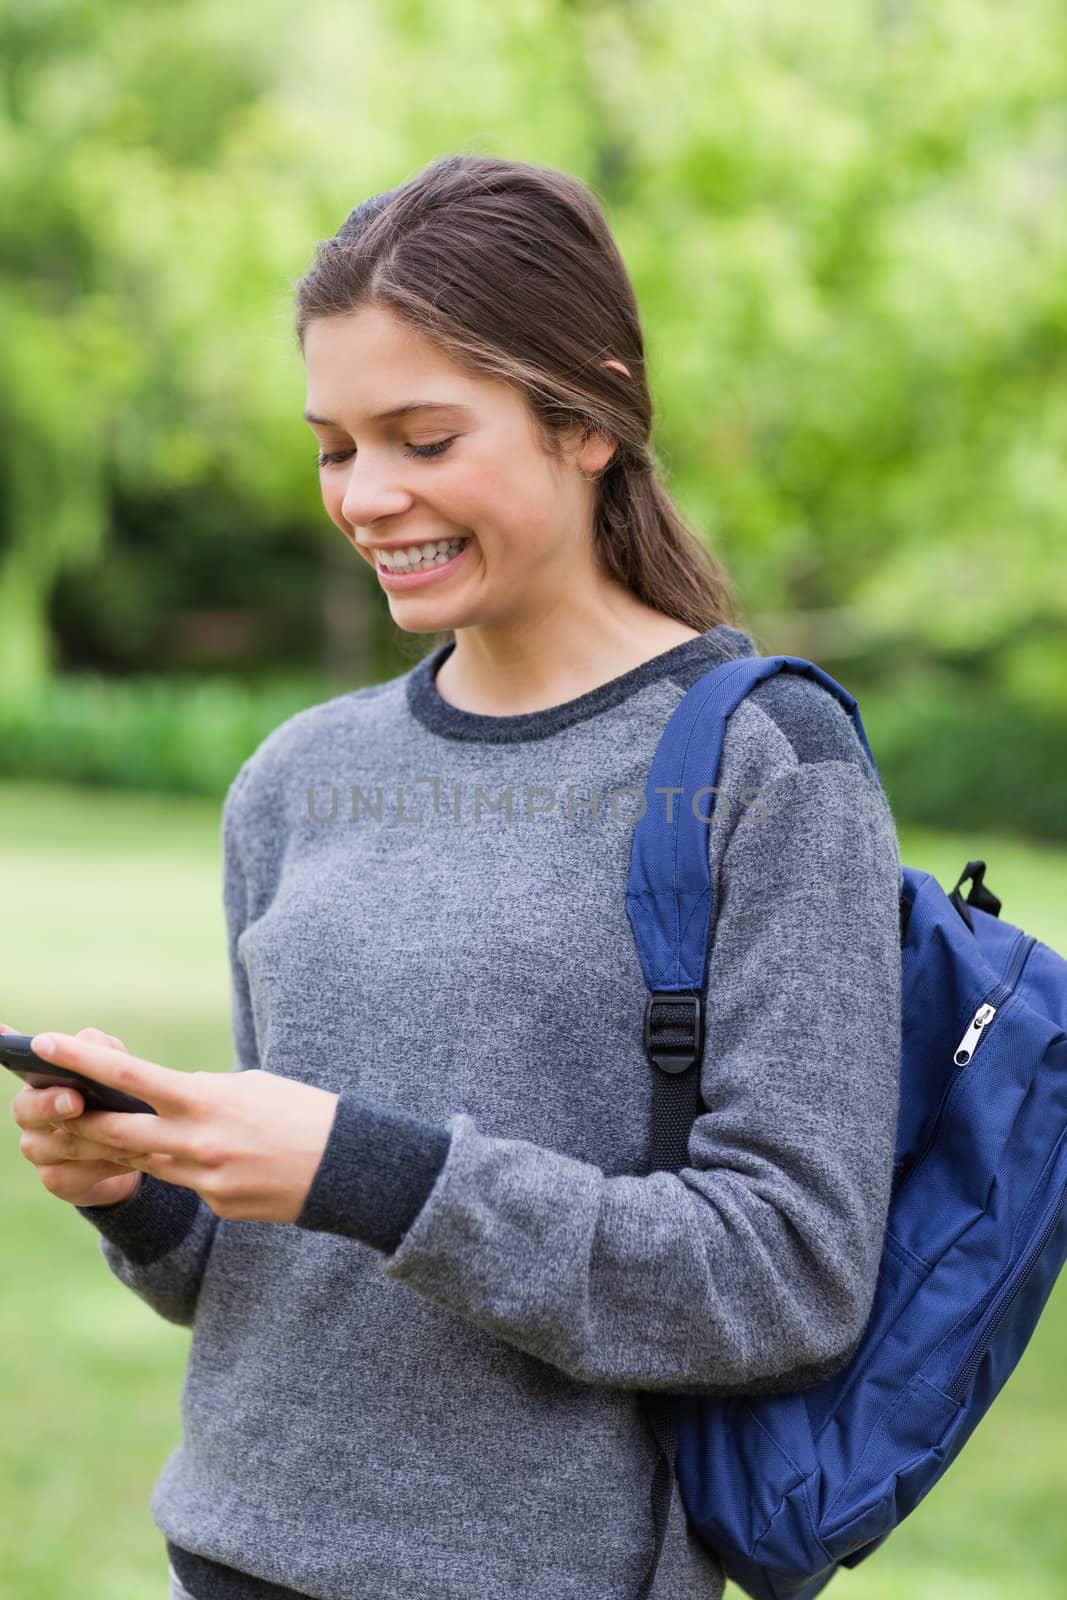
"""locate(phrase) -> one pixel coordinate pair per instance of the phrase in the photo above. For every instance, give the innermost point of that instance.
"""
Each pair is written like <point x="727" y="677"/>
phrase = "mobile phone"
<point x="17" y="1056"/>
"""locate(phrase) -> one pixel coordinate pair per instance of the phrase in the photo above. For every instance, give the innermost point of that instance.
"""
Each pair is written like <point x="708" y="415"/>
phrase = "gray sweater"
<point x="426" y="1388"/>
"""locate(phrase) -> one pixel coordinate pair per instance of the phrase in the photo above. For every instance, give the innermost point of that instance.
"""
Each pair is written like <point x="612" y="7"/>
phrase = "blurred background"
<point x="847" y="231"/>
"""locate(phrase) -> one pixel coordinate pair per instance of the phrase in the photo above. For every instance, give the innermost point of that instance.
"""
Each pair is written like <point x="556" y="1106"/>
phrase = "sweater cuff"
<point x="149" y="1224"/>
<point x="376" y="1173"/>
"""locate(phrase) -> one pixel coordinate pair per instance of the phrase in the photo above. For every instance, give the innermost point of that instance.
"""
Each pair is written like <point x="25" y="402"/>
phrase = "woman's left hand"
<point x="249" y="1143"/>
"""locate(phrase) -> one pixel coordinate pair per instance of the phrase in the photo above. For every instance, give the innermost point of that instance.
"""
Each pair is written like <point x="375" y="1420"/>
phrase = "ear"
<point x="594" y="450"/>
<point x="594" y="454"/>
<point x="597" y="450"/>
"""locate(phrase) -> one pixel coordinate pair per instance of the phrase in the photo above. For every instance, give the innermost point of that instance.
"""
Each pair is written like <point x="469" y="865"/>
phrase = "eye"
<point x="425" y="452"/>
<point x="428" y="451"/>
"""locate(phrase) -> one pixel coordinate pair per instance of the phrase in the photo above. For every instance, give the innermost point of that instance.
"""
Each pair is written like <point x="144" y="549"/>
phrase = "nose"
<point x="372" y="492"/>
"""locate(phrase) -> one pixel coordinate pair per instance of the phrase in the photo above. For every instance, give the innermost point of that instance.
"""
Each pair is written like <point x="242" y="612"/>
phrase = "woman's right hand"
<point x="46" y="1143"/>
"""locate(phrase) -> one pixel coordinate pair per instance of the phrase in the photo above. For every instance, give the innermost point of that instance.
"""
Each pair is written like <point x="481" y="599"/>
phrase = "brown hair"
<point x="512" y="270"/>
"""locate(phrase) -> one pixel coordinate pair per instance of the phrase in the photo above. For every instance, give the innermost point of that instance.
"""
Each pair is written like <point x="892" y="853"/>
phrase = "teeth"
<point x="419" y="556"/>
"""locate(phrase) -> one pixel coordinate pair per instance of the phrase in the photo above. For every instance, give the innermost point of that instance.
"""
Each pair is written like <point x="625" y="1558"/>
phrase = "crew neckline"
<point x="721" y="643"/>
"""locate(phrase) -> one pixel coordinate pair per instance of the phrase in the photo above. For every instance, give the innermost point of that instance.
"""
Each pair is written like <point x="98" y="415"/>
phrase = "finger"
<point x="168" y="1091"/>
<point x="131" y="1133"/>
<point x="61" y="1147"/>
<point x="68" y="1183"/>
<point x="52" y="1145"/>
<point x="97" y="1036"/>
<point x="36" y="1108"/>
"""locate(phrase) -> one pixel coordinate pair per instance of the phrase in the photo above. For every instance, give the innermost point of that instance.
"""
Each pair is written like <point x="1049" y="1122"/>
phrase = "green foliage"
<point x="845" y="227"/>
<point x="948" y="755"/>
<point x="952" y="758"/>
<point x="148" y="733"/>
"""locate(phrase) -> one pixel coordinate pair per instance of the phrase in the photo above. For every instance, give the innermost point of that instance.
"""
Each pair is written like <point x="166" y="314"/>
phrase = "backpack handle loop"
<point x="978" y="895"/>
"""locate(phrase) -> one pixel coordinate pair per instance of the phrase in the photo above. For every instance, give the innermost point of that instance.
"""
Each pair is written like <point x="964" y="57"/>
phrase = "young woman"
<point x="427" y="1270"/>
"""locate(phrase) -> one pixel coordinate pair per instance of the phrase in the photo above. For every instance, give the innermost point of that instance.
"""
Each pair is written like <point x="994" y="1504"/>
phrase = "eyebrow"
<point x="395" y="411"/>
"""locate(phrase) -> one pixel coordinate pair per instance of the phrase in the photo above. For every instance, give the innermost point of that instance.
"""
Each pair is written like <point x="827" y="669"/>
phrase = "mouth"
<point x="421" y="576"/>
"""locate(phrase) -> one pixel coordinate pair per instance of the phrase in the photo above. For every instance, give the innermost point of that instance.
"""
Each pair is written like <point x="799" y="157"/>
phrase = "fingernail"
<point x="44" y="1044"/>
<point x="64" y="1104"/>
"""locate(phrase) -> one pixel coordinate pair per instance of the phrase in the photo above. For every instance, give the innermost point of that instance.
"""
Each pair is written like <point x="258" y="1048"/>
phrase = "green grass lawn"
<point x="114" y="920"/>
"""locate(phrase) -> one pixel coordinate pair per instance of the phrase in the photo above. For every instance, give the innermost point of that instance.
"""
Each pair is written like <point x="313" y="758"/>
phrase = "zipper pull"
<point x="969" y="1043"/>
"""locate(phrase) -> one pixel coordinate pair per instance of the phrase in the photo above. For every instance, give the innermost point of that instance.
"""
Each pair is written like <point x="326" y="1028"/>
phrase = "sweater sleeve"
<point x="753" y="1269"/>
<point x="157" y="1243"/>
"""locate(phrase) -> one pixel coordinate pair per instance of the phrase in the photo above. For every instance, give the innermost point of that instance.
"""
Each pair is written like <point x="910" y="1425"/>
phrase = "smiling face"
<point x="471" y="468"/>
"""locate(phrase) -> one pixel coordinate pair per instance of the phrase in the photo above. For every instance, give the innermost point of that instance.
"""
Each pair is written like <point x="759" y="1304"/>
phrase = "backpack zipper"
<point x="972" y="1038"/>
<point x="973" y="1035"/>
<point x="999" y="1308"/>
<point x="1023" y="946"/>
<point x="987" y="1011"/>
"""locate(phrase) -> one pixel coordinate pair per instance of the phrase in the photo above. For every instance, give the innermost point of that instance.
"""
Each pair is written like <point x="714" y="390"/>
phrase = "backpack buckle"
<point x="674" y="1028"/>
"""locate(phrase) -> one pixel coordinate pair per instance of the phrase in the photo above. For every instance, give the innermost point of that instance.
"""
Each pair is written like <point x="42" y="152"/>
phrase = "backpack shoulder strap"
<point x="669" y="905"/>
<point x="669" y="895"/>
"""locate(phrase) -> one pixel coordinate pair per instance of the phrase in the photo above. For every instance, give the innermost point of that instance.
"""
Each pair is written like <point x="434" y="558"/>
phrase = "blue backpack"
<point x="785" y="1489"/>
